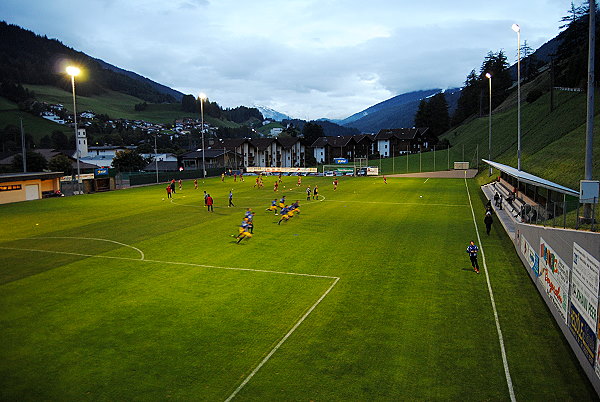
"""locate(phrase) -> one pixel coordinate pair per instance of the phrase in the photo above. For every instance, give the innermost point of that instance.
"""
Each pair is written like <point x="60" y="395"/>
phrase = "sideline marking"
<point x="511" y="391"/>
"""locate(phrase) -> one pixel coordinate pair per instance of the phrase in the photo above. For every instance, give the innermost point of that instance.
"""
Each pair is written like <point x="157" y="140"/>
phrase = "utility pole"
<point x="156" y="158"/>
<point x="551" y="84"/>
<point x="23" y="147"/>
<point x="589" y="137"/>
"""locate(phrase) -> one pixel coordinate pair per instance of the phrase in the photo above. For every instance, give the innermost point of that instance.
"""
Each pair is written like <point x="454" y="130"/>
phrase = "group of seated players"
<point x="286" y="211"/>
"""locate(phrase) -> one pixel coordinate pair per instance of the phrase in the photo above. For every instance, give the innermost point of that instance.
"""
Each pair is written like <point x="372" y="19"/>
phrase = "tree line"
<point x="569" y="68"/>
<point x="240" y="114"/>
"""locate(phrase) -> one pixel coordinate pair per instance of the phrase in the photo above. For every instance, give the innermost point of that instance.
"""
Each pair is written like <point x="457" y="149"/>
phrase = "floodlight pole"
<point x="489" y="76"/>
<point x="202" y="130"/>
<point x="517" y="29"/>
<point x="589" y="137"/>
<point x="77" y="152"/>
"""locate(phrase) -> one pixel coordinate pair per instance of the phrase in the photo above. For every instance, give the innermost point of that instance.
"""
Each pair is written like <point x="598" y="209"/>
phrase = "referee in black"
<point x="472" y="250"/>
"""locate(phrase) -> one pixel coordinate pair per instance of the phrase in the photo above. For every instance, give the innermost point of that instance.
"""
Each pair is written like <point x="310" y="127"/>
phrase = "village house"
<point x="398" y="141"/>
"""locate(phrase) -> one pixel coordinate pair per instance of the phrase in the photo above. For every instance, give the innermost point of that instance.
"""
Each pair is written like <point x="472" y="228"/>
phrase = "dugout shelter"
<point x="549" y="199"/>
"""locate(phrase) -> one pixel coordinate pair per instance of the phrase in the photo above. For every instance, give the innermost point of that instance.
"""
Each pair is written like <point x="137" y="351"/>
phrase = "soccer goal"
<point x="339" y="170"/>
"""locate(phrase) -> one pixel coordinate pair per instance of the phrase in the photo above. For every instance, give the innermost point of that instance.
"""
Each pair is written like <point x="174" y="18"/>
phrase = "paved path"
<point x="504" y="215"/>
<point x="441" y="174"/>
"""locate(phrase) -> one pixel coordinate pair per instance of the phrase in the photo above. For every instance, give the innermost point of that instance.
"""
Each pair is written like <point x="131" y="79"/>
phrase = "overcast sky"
<point x="306" y="58"/>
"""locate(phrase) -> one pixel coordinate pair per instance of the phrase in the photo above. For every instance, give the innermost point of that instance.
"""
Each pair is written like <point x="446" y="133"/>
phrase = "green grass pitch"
<point x="366" y="295"/>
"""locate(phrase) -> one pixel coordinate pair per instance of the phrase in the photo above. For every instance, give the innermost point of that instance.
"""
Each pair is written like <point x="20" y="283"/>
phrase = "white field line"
<point x="426" y="180"/>
<point x="509" y="383"/>
<point x="305" y="203"/>
<point x="86" y="238"/>
<point x="272" y="351"/>
<point x="166" y="262"/>
<point x="423" y="204"/>
<point x="290" y="332"/>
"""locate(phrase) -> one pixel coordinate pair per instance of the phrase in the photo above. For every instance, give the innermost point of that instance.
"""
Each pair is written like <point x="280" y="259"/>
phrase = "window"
<point x="10" y="187"/>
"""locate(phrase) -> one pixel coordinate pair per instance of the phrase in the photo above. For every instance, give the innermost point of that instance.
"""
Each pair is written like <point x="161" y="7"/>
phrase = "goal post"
<point x="340" y="169"/>
<point x="361" y="162"/>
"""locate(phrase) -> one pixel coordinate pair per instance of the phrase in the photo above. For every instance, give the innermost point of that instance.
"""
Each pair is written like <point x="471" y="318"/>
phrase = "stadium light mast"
<point x="489" y="77"/>
<point x="202" y="97"/>
<point x="73" y="71"/>
<point x="517" y="29"/>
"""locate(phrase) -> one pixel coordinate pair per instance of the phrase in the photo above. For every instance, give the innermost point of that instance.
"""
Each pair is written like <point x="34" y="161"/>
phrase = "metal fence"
<point x="136" y="179"/>
<point x="569" y="214"/>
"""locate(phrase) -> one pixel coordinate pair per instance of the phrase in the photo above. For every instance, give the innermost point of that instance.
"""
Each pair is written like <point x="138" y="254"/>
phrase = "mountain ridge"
<point x="159" y="87"/>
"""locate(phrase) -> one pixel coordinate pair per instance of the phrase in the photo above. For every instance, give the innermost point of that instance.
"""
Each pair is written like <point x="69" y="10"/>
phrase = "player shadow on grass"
<point x="468" y="269"/>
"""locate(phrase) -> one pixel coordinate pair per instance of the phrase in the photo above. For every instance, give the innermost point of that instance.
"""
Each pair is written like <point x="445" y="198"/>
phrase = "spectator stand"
<point x="529" y="198"/>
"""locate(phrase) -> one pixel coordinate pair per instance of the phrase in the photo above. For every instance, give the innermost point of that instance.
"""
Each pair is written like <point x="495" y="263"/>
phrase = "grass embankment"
<point x="408" y="319"/>
<point x="36" y="126"/>
<point x="118" y="105"/>
<point x="552" y="143"/>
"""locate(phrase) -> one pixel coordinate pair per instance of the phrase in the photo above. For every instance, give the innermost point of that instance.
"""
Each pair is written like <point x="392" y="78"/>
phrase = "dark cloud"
<point x="306" y="58"/>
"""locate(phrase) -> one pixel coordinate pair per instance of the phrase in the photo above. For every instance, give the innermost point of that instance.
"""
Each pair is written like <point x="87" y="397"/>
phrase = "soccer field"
<point x="367" y="294"/>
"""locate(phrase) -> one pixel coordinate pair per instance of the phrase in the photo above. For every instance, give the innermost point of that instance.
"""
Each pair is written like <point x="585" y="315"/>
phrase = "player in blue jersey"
<point x="250" y="216"/>
<point x="472" y="250"/>
<point x="244" y="231"/>
<point x="273" y="206"/>
<point x="284" y="214"/>
<point x="296" y="207"/>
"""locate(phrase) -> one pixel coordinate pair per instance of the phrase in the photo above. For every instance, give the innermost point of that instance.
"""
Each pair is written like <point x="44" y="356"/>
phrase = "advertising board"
<point x="555" y="278"/>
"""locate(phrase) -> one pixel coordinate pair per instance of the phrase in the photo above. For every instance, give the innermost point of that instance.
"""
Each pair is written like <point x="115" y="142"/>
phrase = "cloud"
<point x="306" y="58"/>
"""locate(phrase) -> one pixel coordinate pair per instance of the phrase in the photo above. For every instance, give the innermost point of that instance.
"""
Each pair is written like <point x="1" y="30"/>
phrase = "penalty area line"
<point x="273" y="350"/>
<point x="281" y="342"/>
<point x="509" y="383"/>
<point x="189" y="264"/>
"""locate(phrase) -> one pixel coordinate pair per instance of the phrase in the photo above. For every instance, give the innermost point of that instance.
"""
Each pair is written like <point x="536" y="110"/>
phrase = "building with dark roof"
<point x="325" y="149"/>
<point x="397" y="141"/>
<point x="213" y="158"/>
<point x="265" y="152"/>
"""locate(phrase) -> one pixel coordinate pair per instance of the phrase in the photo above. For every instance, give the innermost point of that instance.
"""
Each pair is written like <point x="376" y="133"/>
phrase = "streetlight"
<point x="202" y="97"/>
<point x="517" y="29"/>
<point x="73" y="71"/>
<point x="489" y="77"/>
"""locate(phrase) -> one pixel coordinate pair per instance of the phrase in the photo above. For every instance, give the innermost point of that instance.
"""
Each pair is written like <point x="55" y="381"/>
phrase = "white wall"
<point x="383" y="147"/>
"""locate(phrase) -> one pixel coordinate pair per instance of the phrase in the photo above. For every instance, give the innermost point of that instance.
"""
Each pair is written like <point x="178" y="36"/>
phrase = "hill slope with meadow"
<point x="553" y="142"/>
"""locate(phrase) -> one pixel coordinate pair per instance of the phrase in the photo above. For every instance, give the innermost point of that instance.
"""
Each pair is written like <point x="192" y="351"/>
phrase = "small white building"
<point x="275" y="131"/>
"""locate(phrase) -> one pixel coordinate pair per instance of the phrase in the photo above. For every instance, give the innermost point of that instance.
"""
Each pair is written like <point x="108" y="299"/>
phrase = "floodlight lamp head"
<point x="73" y="71"/>
<point x="202" y="96"/>
<point x="488" y="75"/>
<point x="516" y="28"/>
